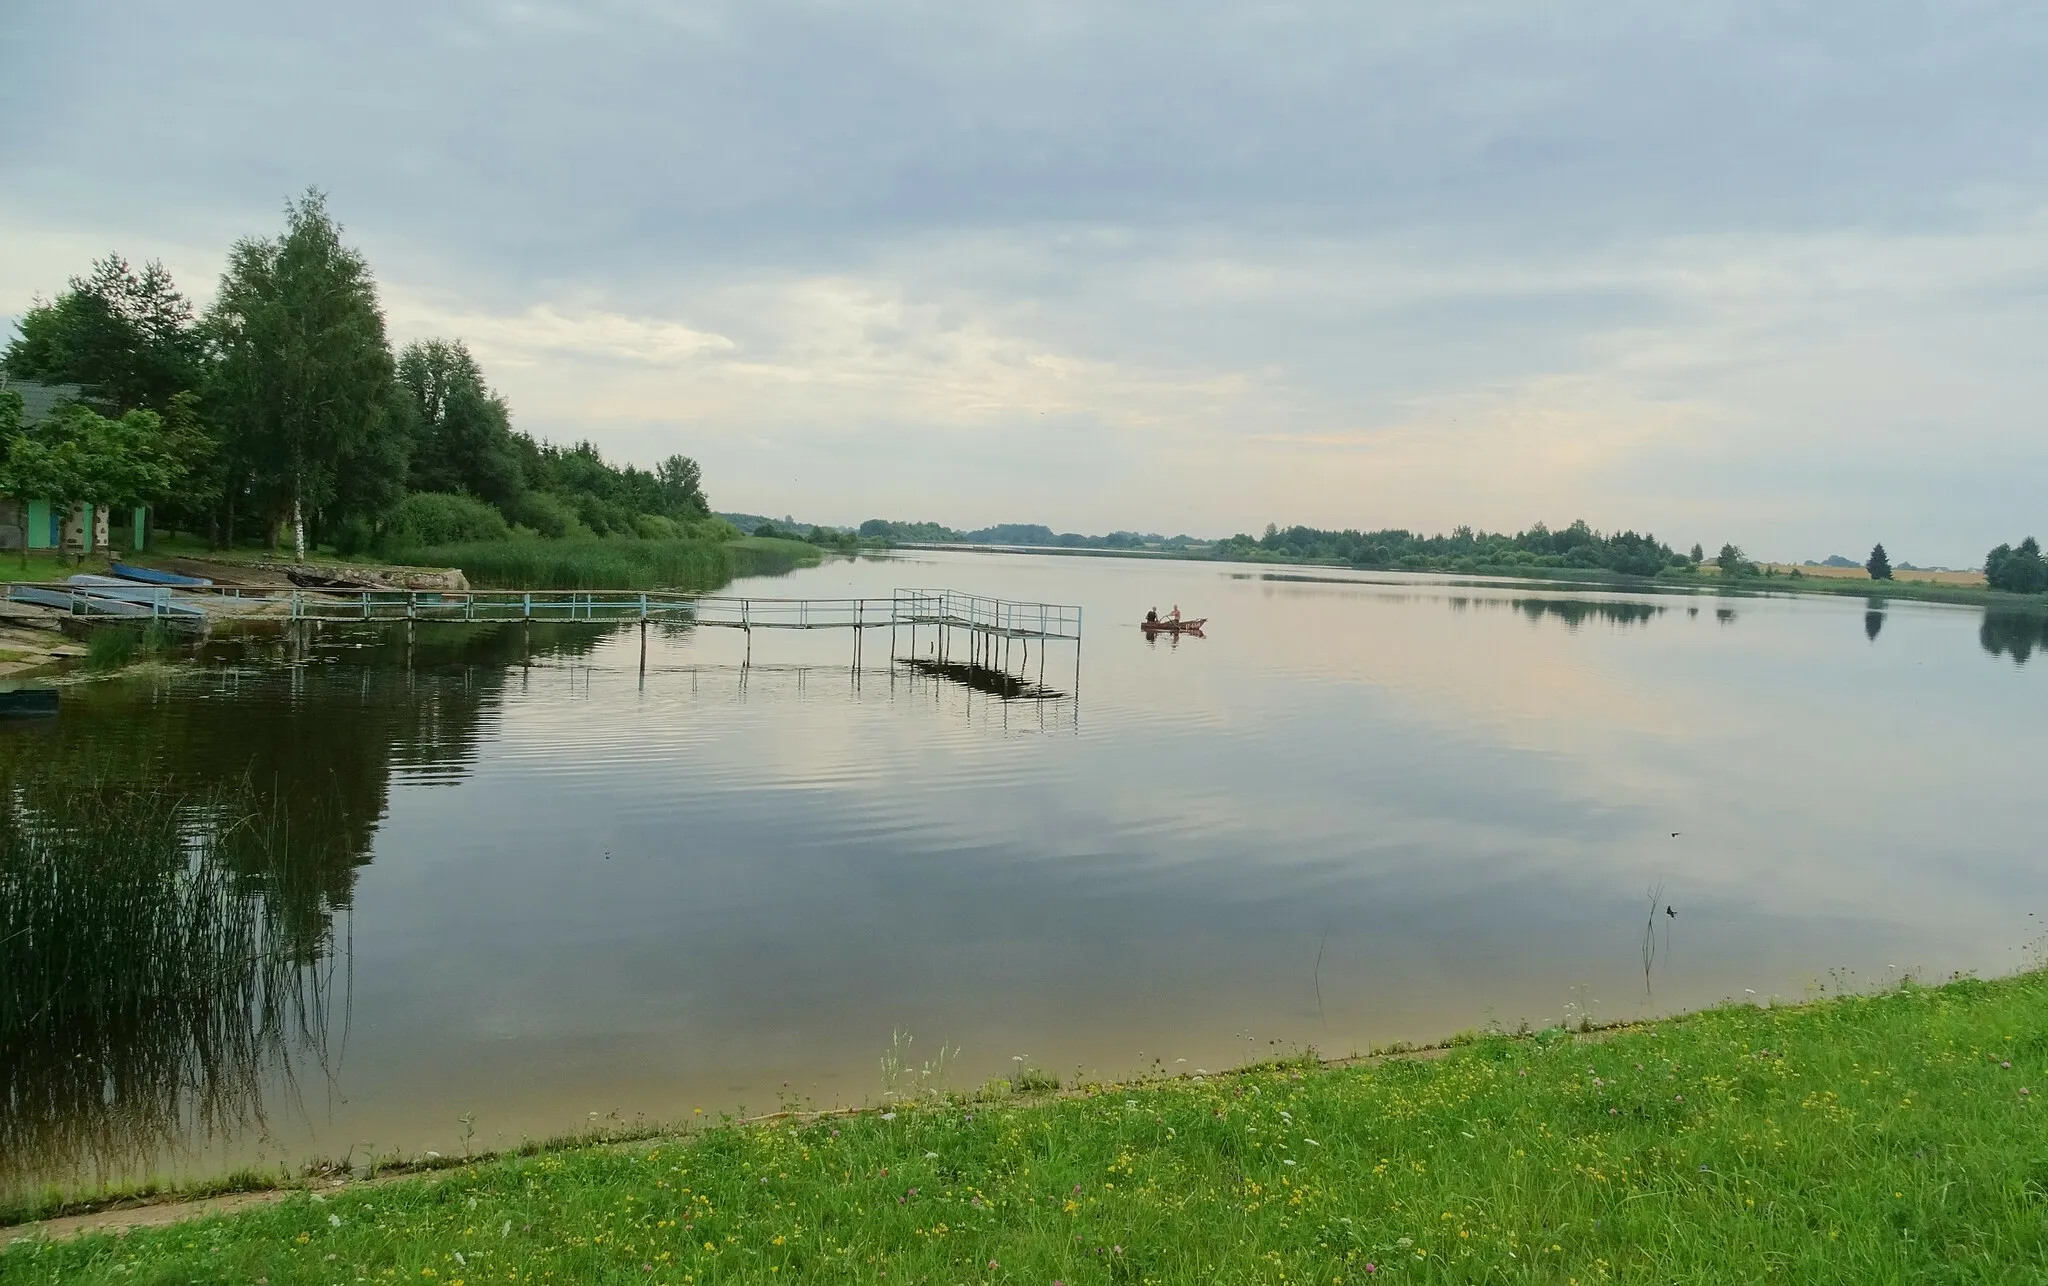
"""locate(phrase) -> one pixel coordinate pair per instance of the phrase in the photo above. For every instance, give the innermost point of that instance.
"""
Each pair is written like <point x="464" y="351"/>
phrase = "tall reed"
<point x="152" y="979"/>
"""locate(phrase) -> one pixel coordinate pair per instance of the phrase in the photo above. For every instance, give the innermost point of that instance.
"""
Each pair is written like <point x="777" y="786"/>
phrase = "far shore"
<point x="1960" y="587"/>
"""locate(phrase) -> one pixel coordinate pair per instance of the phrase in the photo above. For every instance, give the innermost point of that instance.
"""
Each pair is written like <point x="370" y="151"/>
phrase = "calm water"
<point x="1362" y="809"/>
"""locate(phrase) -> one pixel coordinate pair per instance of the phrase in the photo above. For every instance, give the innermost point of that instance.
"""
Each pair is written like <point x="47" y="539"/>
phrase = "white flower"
<point x="334" y="1221"/>
<point x="888" y="1116"/>
<point x="931" y="1156"/>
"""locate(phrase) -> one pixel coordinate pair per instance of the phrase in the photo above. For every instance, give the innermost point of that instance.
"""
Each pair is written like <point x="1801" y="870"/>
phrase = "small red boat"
<point x="1173" y="627"/>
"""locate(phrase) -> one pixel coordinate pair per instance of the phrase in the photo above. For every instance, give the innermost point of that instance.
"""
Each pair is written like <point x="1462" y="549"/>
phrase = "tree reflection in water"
<point x="173" y="859"/>
<point x="2013" y="633"/>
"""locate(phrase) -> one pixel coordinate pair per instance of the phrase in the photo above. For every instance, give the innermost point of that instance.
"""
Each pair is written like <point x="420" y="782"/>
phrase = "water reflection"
<point x="172" y="864"/>
<point x="604" y="878"/>
<point x="2013" y="633"/>
<point x="990" y="680"/>
<point x="1873" y="619"/>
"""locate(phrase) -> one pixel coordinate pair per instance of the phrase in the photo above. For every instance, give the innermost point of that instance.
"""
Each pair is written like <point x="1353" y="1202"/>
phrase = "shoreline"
<point x="1834" y="1027"/>
<point x="1697" y="585"/>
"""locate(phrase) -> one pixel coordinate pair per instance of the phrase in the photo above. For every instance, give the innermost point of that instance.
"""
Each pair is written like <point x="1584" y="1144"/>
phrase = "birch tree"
<point x="306" y="370"/>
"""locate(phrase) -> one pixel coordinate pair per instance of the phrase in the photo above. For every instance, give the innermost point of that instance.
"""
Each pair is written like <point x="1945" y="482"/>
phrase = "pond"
<point x="526" y="880"/>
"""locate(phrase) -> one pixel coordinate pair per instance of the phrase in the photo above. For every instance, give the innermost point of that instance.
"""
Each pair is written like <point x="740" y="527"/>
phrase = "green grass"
<point x="45" y="566"/>
<point x="1894" y="1138"/>
<point x="612" y="562"/>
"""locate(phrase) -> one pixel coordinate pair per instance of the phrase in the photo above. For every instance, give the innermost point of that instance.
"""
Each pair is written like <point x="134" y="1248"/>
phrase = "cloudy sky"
<point x="1767" y="272"/>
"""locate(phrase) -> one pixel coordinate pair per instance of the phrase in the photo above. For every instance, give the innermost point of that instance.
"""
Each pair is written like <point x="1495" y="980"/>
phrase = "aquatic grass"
<point x="612" y="562"/>
<point x="1895" y="1137"/>
<point x="151" y="981"/>
<point x="112" y="647"/>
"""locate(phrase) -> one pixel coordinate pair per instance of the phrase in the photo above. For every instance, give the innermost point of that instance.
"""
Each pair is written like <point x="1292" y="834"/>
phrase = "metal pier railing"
<point x="970" y="630"/>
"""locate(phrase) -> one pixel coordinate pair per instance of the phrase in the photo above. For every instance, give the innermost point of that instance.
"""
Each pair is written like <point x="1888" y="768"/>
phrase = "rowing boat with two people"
<point x="1171" y="623"/>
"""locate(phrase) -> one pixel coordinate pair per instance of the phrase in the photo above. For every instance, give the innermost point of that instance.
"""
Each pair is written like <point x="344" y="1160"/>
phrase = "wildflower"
<point x="888" y="1116"/>
<point x="334" y="1221"/>
<point x="993" y="1265"/>
<point x="2005" y="1063"/>
<point x="1371" y="1267"/>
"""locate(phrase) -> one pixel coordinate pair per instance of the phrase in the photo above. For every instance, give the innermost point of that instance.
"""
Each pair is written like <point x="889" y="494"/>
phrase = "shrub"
<point x="656" y="527"/>
<point x="353" y="537"/>
<point x="548" y="515"/>
<point x="441" y="518"/>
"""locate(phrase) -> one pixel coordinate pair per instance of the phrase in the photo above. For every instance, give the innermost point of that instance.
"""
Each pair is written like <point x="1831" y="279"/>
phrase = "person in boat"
<point x="1152" y="616"/>
<point x="1175" y="617"/>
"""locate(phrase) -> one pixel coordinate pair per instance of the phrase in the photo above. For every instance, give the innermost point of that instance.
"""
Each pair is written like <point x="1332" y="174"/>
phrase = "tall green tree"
<point x="1733" y="562"/>
<point x="462" y="430"/>
<point x="127" y="337"/>
<point x="1879" y="564"/>
<point x="305" y="370"/>
<point x="682" y="488"/>
<point x="2017" y="570"/>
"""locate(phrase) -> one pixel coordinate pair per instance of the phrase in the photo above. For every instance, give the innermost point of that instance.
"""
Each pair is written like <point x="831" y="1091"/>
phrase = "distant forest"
<point x="1575" y="546"/>
<point x="1018" y="533"/>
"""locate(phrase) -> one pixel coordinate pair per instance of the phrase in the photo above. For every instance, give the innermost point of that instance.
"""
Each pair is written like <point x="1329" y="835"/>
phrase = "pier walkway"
<point x="961" y="629"/>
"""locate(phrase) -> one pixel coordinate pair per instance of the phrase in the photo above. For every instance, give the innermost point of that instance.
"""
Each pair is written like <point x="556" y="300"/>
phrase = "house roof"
<point x="38" y="400"/>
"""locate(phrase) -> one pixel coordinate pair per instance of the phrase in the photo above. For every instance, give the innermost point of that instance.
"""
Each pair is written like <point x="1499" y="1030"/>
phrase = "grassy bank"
<point x="1871" y="1139"/>
<point x="613" y="562"/>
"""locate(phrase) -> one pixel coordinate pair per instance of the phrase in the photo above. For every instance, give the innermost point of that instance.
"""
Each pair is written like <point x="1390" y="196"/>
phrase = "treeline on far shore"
<point x="1577" y="549"/>
<point x="282" y="414"/>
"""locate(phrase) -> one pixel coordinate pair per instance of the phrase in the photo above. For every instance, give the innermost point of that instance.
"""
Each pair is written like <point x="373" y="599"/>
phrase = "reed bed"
<point x="152" y="981"/>
<point x="1887" y="1138"/>
<point x="612" y="562"/>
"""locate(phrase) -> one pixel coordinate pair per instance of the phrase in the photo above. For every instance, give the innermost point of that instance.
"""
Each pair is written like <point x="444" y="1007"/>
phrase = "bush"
<point x="656" y="527"/>
<point x="353" y="537"/>
<point x="441" y="518"/>
<point x="547" y="515"/>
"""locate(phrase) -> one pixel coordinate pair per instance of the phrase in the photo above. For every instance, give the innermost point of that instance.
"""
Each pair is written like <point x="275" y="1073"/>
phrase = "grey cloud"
<point x="1366" y="224"/>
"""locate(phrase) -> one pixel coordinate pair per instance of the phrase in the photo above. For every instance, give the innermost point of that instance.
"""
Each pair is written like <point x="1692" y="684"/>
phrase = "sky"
<point x="1769" y="273"/>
